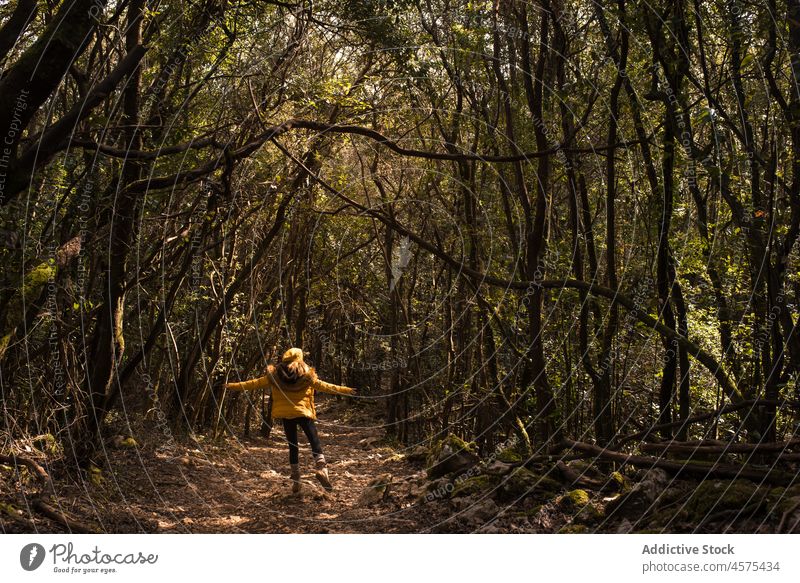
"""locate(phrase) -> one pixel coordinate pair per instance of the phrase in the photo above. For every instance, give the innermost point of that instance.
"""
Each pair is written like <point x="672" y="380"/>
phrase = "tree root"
<point x="37" y="470"/>
<point x="61" y="518"/>
<point x="38" y="503"/>
<point x="6" y="510"/>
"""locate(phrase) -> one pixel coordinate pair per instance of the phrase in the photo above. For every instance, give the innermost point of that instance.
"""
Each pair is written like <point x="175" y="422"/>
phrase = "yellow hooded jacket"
<point x="291" y="400"/>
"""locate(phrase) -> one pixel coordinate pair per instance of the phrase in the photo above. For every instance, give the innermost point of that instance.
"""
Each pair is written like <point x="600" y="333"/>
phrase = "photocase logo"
<point x="31" y="556"/>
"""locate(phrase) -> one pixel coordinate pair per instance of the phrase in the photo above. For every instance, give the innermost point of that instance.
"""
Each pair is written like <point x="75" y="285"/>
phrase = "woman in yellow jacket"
<point x="293" y="383"/>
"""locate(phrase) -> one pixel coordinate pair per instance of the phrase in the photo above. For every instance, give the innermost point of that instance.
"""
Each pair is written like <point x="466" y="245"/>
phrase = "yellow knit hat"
<point x="292" y="355"/>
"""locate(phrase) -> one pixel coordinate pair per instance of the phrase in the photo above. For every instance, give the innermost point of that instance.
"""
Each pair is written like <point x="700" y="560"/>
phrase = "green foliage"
<point x="411" y="274"/>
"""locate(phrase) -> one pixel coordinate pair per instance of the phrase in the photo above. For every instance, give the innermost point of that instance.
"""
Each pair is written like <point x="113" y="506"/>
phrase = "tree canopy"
<point x="554" y="220"/>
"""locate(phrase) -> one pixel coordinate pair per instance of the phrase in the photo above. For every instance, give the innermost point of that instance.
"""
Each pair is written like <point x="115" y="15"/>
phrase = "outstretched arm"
<point x="251" y="385"/>
<point x="331" y="388"/>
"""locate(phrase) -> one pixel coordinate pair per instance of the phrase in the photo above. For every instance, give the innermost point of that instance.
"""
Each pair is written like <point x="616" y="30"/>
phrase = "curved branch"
<point x="394" y="146"/>
<point x="703" y="357"/>
<point x="275" y="131"/>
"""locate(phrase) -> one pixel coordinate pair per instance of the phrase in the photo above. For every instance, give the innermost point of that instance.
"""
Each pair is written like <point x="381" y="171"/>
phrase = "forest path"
<point x="242" y="485"/>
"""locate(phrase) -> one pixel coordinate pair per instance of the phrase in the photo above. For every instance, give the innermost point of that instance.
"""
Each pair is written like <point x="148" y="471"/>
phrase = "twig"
<point x="38" y="471"/>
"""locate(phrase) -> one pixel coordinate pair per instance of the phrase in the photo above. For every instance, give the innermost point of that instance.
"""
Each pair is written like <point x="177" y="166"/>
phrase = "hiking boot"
<point x="322" y="473"/>
<point x="295" y="478"/>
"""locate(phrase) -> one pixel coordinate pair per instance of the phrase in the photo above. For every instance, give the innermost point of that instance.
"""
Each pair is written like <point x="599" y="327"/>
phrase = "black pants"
<point x="309" y="428"/>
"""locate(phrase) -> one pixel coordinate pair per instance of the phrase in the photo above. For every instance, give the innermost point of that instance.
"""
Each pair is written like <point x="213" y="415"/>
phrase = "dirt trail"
<point x="235" y="485"/>
<point x="232" y="485"/>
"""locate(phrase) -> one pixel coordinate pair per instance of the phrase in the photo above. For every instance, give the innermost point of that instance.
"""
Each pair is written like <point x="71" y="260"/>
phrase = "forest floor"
<point x="234" y="485"/>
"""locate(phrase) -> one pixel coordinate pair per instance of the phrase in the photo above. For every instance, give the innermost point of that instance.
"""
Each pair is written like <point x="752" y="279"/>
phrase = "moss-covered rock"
<point x="456" y="443"/>
<point x="522" y="483"/>
<point x="642" y="497"/>
<point x="509" y="456"/>
<point x="472" y="485"/>
<point x="573" y="500"/>
<point x="122" y="442"/>
<point x="129" y="442"/>
<point x="678" y="492"/>
<point x="96" y="476"/>
<point x="718" y="495"/>
<point x="617" y="482"/>
<point x="377" y="490"/>
<point x="667" y="518"/>
<point x="418" y="455"/>
<point x="498" y="468"/>
<point x="450" y="455"/>
<point x="592" y="513"/>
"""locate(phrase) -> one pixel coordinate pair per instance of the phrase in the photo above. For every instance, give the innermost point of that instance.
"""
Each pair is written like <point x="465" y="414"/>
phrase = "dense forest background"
<point x="566" y="225"/>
